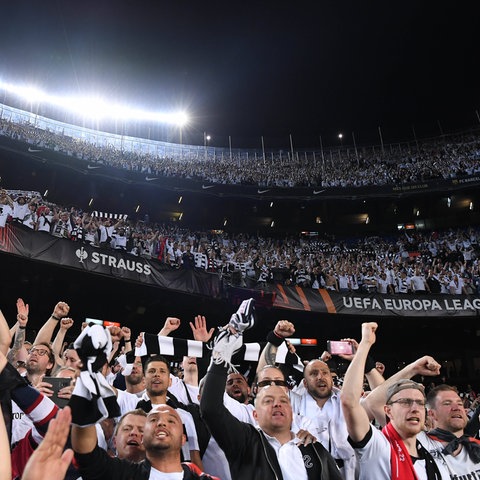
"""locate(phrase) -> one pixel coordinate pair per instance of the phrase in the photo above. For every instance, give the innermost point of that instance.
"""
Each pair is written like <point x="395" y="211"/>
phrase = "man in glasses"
<point x="395" y="452"/>
<point x="40" y="361"/>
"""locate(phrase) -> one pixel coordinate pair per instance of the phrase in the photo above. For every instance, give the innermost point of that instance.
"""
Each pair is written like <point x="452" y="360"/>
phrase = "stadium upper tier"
<point x="444" y="158"/>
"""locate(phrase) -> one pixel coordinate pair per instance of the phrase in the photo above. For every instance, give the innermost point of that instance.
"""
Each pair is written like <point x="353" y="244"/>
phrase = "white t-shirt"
<point x="459" y="466"/>
<point x="328" y="426"/>
<point x="158" y="475"/>
<point x="5" y="211"/>
<point x="375" y="464"/>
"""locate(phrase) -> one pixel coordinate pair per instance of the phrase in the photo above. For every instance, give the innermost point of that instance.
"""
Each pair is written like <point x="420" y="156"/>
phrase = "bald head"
<point x="318" y="380"/>
<point x="163" y="432"/>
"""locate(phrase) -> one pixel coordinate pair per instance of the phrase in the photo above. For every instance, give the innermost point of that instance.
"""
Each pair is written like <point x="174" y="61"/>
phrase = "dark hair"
<point x="51" y="355"/>
<point x="156" y="358"/>
<point x="433" y="393"/>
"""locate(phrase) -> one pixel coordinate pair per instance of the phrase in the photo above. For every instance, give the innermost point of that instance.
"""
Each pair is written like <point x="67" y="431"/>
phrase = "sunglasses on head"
<point x="266" y="383"/>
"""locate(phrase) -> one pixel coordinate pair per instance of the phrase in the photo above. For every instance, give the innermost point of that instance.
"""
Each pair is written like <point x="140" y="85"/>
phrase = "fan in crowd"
<point x="291" y="422"/>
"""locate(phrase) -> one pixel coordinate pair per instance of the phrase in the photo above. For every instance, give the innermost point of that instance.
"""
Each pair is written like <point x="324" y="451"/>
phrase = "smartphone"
<point x="104" y="323"/>
<point x="57" y="385"/>
<point x="336" y="347"/>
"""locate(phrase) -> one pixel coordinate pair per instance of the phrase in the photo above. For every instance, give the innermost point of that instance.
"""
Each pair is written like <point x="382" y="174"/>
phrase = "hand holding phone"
<point x="56" y="384"/>
<point x="337" y="347"/>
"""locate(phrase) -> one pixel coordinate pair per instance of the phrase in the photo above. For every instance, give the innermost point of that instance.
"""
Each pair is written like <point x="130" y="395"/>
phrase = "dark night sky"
<point x="248" y="69"/>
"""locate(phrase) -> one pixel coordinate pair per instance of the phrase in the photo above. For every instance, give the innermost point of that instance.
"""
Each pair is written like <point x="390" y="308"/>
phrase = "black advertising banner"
<point x="40" y="246"/>
<point x="44" y="247"/>
<point x="328" y="302"/>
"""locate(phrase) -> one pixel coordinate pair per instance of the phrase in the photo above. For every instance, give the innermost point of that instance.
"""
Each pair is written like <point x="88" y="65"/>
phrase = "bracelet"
<point x="125" y="340"/>
<point x="21" y="328"/>
<point x="54" y="317"/>
<point x="274" y="339"/>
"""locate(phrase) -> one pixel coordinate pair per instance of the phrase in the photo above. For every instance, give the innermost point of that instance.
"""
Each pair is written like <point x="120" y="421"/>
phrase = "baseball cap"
<point x="404" y="384"/>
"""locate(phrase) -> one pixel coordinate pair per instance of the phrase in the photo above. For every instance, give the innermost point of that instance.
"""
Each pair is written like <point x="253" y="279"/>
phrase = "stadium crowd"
<point x="134" y="416"/>
<point x="442" y="158"/>
<point x="412" y="262"/>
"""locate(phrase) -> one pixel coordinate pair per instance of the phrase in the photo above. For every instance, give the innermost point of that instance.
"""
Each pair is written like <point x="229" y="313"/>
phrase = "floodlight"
<point x="340" y="136"/>
<point x="94" y="106"/>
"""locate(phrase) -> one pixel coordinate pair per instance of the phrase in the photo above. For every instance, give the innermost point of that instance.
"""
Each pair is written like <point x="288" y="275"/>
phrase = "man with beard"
<point x="135" y="382"/>
<point x="269" y="450"/>
<point x="448" y="442"/>
<point x="40" y="361"/>
<point x="237" y="388"/>
<point x="320" y="402"/>
<point x="163" y="438"/>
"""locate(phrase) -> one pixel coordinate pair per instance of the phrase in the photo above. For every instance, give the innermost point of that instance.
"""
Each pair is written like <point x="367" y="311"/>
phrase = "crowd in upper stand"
<point x="412" y="261"/>
<point x="442" y="158"/>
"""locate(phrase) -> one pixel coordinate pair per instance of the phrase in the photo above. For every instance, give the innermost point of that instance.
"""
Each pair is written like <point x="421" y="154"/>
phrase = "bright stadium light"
<point x="29" y="93"/>
<point x="94" y="106"/>
<point x="91" y="107"/>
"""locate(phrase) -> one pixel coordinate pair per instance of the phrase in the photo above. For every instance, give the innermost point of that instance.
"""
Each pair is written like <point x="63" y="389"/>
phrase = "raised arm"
<point x="373" y="404"/>
<point x="374" y="377"/>
<point x="22" y="320"/>
<point x="201" y="333"/>
<point x="46" y="332"/>
<point x="57" y="345"/>
<point x="170" y="325"/>
<point x="358" y="423"/>
<point x="127" y="339"/>
<point x="5" y="335"/>
<point x="84" y="439"/>
<point x="283" y="329"/>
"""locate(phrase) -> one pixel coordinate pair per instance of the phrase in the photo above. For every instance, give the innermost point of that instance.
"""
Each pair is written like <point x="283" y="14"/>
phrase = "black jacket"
<point x="248" y="452"/>
<point x="97" y="465"/>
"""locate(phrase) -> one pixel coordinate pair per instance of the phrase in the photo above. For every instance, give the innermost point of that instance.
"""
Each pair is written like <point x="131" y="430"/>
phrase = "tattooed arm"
<point x="283" y="329"/>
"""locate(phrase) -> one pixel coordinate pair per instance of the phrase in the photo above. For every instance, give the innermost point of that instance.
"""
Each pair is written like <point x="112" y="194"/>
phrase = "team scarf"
<point x="401" y="461"/>
<point x="180" y="347"/>
<point x="472" y="445"/>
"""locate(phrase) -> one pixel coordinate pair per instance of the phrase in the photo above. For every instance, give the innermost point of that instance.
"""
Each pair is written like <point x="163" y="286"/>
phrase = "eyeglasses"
<point x="266" y="383"/>
<point x="408" y="402"/>
<point x="39" y="352"/>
